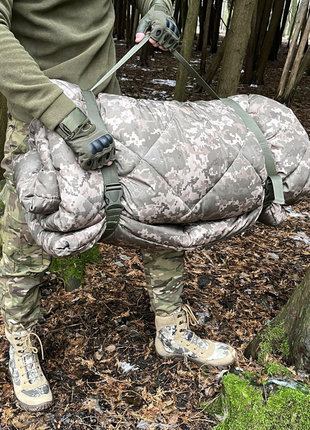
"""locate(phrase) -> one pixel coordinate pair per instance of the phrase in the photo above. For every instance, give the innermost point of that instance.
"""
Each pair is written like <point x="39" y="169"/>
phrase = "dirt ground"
<point x="99" y="340"/>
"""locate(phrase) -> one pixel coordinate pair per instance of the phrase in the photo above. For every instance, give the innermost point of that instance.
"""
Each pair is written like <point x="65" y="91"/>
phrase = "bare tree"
<point x="268" y="42"/>
<point x="292" y="51"/>
<point x="187" y="44"/>
<point x="236" y="45"/>
<point x="206" y="28"/>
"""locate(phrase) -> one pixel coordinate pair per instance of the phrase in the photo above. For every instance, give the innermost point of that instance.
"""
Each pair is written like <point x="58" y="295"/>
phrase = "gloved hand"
<point x="161" y="25"/>
<point x="93" y="145"/>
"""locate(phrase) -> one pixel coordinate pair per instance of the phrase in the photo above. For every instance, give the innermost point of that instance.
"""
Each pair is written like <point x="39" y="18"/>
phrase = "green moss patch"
<point x="270" y="406"/>
<point x="273" y="368"/>
<point x="274" y="341"/>
<point x="72" y="269"/>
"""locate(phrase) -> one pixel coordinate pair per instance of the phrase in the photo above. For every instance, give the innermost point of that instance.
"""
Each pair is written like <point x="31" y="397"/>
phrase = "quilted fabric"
<point x="192" y="174"/>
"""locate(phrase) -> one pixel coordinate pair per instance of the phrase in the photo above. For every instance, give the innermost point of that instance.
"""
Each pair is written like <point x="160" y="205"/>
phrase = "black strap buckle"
<point x="113" y="194"/>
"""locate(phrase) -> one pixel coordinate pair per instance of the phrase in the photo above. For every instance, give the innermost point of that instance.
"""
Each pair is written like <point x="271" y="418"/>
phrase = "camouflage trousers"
<point x="23" y="262"/>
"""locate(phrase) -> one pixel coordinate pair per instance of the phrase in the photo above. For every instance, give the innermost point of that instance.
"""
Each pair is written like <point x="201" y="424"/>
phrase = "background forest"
<point x="252" y="291"/>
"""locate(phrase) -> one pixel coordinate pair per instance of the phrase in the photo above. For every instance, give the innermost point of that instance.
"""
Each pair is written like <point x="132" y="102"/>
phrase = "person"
<point x="72" y="40"/>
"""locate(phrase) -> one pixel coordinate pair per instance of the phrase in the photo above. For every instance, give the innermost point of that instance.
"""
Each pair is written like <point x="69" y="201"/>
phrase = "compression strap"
<point x="113" y="190"/>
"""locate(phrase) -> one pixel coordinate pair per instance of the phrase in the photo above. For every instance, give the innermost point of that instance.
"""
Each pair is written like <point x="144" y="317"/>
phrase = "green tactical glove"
<point x="93" y="145"/>
<point x="161" y="25"/>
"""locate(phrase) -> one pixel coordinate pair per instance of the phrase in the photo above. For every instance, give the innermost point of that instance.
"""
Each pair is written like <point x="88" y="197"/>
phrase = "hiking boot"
<point x="31" y="388"/>
<point x="175" y="340"/>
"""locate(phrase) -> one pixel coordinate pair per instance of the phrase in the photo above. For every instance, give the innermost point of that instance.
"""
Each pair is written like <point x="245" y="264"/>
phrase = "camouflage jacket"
<point x="192" y="174"/>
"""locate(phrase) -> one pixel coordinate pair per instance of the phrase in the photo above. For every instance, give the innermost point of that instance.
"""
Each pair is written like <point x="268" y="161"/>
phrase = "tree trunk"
<point x="292" y="24"/>
<point x="236" y="46"/>
<point x="232" y="5"/>
<point x="216" y="26"/>
<point x="288" y="334"/>
<point x="184" y="10"/>
<point x="279" y="34"/>
<point x="267" y="45"/>
<point x="3" y="123"/>
<point x="216" y="62"/>
<point x="206" y="29"/>
<point x="135" y="20"/>
<point x="202" y="17"/>
<point x="259" y="27"/>
<point x="177" y="13"/>
<point x="292" y="51"/>
<point x="188" y="38"/>
<point x="296" y="73"/>
<point x="249" y="58"/>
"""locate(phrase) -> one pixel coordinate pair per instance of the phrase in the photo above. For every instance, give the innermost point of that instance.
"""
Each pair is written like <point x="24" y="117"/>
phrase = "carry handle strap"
<point x="274" y="184"/>
<point x="113" y="191"/>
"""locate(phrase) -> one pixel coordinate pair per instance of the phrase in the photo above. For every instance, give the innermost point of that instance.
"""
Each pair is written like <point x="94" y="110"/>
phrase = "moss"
<point x="249" y="375"/>
<point x="72" y="269"/>
<point x="274" y="341"/>
<point x="215" y="408"/>
<point x="239" y="396"/>
<point x="244" y="406"/>
<point x="273" y="368"/>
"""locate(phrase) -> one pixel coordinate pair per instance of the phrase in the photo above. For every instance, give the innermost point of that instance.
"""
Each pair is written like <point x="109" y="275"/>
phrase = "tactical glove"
<point x="93" y="145"/>
<point x="161" y="25"/>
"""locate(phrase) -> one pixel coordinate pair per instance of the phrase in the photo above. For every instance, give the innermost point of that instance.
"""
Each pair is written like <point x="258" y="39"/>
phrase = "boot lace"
<point x="26" y="349"/>
<point x="187" y="318"/>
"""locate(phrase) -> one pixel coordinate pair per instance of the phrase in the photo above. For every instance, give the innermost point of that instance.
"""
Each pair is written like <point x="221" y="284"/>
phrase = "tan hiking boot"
<point x="175" y="340"/>
<point x="31" y="388"/>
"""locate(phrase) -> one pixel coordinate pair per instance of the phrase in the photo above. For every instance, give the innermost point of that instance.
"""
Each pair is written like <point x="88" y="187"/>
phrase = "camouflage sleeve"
<point x="21" y="80"/>
<point x="145" y="5"/>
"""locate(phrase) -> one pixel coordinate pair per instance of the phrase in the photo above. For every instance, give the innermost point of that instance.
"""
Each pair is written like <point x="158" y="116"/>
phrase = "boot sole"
<point x="183" y="358"/>
<point x="34" y="408"/>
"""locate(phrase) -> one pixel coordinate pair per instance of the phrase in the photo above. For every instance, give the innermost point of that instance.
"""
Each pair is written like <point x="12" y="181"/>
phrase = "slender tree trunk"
<point x="177" y="13"/>
<point x="296" y="72"/>
<point x="236" y="46"/>
<point x="188" y="38"/>
<point x="216" y="26"/>
<point x="292" y="50"/>
<point x="202" y="17"/>
<point x="135" y="21"/>
<point x="184" y="11"/>
<point x="216" y="62"/>
<point x="288" y="334"/>
<point x="267" y="45"/>
<point x="204" y="50"/>
<point x="278" y="39"/>
<point x="249" y="58"/>
<point x="262" y="30"/>
<point x="260" y="22"/>
<point x="128" y="24"/>
<point x="230" y="14"/>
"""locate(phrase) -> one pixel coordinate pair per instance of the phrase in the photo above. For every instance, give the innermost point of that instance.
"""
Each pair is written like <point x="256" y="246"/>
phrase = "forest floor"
<point x="99" y="340"/>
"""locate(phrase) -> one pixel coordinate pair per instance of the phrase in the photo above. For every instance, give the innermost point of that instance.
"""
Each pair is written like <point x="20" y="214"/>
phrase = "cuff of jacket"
<point x="57" y="111"/>
<point x="165" y="3"/>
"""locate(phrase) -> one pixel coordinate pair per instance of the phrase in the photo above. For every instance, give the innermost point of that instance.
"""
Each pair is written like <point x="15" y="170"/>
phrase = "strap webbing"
<point x="195" y="74"/>
<point x="122" y="61"/>
<point x="276" y="194"/>
<point x="92" y="108"/>
<point x="113" y="190"/>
